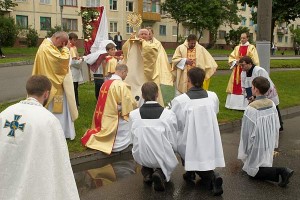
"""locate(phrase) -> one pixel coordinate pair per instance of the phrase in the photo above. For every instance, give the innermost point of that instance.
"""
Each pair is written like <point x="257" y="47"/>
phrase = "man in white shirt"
<point x="259" y="136"/>
<point x="250" y="71"/>
<point x="199" y="141"/>
<point x="153" y="130"/>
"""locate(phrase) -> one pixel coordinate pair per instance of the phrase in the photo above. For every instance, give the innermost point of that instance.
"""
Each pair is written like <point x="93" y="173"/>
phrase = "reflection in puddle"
<point x="94" y="178"/>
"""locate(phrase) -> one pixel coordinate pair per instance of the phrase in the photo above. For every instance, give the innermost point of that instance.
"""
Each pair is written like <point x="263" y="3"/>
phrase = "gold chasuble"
<point x="104" y="127"/>
<point x="54" y="64"/>
<point x="145" y="63"/>
<point x="202" y="59"/>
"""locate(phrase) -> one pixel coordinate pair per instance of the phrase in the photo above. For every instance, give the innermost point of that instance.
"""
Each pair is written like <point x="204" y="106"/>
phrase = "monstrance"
<point x="134" y="20"/>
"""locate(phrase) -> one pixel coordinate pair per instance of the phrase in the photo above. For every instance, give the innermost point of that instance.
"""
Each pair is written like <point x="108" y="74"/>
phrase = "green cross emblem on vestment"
<point x="14" y="125"/>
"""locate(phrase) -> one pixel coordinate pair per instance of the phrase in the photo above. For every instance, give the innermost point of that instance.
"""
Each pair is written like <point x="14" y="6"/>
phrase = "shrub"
<point x="32" y="37"/>
<point x="8" y="31"/>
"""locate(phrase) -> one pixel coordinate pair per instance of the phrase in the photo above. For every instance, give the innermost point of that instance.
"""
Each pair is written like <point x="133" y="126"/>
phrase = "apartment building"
<point x="43" y="14"/>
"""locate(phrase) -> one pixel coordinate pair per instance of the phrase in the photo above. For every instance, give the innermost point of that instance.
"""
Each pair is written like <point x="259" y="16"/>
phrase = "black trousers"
<point x="269" y="173"/>
<point x="205" y="175"/>
<point x="98" y="80"/>
<point x="280" y="118"/>
<point x="76" y="93"/>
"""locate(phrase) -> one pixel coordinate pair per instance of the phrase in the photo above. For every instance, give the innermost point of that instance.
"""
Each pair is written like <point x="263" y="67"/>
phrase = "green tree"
<point x="233" y="37"/>
<point x="8" y="31"/>
<point x="175" y="9"/>
<point x="7" y="4"/>
<point x="295" y="35"/>
<point x="287" y="10"/>
<point x="210" y="15"/>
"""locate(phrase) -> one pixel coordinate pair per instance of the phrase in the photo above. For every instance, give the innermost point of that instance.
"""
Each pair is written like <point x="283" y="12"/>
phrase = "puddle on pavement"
<point x="92" y="175"/>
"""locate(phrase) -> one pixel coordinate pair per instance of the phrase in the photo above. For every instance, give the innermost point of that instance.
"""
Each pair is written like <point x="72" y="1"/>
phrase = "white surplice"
<point x="246" y="82"/>
<point x="199" y="140"/>
<point x="154" y="141"/>
<point x="34" y="157"/>
<point x="259" y="137"/>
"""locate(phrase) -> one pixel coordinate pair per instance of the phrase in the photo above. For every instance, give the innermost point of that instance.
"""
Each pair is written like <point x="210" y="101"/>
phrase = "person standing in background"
<point x="235" y="99"/>
<point x="1" y="53"/>
<point x="76" y="65"/>
<point x="188" y="55"/>
<point x="118" y="41"/>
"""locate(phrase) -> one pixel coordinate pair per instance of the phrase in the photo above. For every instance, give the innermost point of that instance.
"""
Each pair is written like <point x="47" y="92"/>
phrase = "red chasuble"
<point x="237" y="88"/>
<point x="98" y="112"/>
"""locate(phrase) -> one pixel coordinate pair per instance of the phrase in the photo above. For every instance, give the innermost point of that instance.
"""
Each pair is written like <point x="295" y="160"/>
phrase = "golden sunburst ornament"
<point x="134" y="20"/>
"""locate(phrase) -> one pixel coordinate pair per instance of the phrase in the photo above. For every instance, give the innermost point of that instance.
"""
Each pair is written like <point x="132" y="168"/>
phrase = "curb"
<point x="28" y="62"/>
<point x="93" y="155"/>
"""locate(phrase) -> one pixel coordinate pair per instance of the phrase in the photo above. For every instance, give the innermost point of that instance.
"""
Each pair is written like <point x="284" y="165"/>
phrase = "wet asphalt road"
<point x="122" y="179"/>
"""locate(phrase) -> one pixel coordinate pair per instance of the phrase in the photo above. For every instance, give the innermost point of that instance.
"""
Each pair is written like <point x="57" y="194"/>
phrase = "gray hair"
<point x="121" y="67"/>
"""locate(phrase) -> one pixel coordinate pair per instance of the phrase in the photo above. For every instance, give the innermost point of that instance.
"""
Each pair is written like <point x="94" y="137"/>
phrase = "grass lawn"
<point x="225" y="52"/>
<point x="24" y="54"/>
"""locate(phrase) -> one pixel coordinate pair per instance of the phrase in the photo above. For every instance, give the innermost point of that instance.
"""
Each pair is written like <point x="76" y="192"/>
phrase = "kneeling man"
<point x="199" y="140"/>
<point x="153" y="130"/>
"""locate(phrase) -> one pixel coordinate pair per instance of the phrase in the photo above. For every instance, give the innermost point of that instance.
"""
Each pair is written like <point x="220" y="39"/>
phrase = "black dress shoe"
<point x="281" y="128"/>
<point x="189" y="176"/>
<point x="285" y="176"/>
<point x="148" y="179"/>
<point x="217" y="185"/>
<point x="158" y="180"/>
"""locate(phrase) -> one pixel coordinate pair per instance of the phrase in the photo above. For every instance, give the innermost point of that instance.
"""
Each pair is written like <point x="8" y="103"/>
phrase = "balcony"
<point x="149" y="10"/>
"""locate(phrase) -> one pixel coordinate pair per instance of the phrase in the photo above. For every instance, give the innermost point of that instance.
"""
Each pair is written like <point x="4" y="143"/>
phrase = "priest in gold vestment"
<point x="147" y="62"/>
<point x="110" y="130"/>
<point x="52" y="60"/>
<point x="188" y="55"/>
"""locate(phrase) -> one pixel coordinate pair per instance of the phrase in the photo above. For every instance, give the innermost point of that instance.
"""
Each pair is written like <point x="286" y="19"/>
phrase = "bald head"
<point x="143" y="34"/>
<point x="60" y="39"/>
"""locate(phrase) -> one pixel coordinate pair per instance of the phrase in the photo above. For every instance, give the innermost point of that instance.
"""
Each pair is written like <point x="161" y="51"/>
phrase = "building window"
<point x="279" y="38"/>
<point x="45" y="23"/>
<point x="243" y="21"/>
<point x="151" y="6"/>
<point x="21" y="0"/>
<point x="45" y="1"/>
<point x="70" y="2"/>
<point x="22" y="21"/>
<point x="92" y="3"/>
<point x="113" y="4"/>
<point x="129" y="29"/>
<point x="113" y="27"/>
<point x="129" y="6"/>
<point x="174" y="30"/>
<point x="286" y="39"/>
<point x="162" y="30"/>
<point x="70" y="24"/>
<point x="222" y="34"/>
